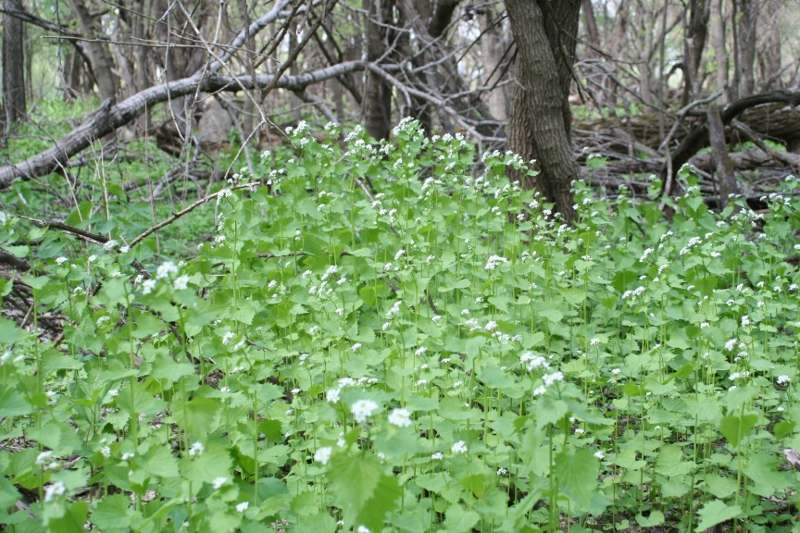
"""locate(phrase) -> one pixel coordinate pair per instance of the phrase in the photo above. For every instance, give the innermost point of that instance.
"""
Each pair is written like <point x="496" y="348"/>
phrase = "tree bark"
<point x="694" y="44"/>
<point x="698" y="137"/>
<point x="726" y="182"/>
<point x="13" y="64"/>
<point x="748" y="20"/>
<point x="377" y="102"/>
<point x="545" y="35"/>
<point x="102" y="65"/>
<point x="110" y="117"/>
<point x="720" y="50"/>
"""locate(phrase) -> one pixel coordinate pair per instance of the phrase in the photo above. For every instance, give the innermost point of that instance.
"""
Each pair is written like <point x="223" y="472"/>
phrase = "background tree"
<point x="14" y="101"/>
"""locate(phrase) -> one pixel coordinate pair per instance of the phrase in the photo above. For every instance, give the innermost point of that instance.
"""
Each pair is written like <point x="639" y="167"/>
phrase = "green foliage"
<point x="395" y="337"/>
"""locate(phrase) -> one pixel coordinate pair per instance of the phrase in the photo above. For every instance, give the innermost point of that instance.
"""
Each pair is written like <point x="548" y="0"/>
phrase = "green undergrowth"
<point x="396" y="338"/>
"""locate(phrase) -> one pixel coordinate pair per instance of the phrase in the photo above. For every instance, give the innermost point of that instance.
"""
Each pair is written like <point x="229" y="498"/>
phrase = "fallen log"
<point x="110" y="117"/>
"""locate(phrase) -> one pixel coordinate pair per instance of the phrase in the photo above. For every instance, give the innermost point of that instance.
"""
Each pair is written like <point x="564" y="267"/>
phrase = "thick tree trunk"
<point x="544" y="33"/>
<point x="13" y="64"/>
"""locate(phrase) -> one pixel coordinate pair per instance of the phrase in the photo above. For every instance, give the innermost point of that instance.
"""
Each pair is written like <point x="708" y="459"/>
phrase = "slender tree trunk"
<point x="544" y="33"/>
<point x="377" y="104"/>
<point x="493" y="46"/>
<point x="694" y="43"/>
<point x="13" y="65"/>
<point x="591" y="27"/>
<point x="102" y="65"/>
<point x="720" y="51"/>
<point x="748" y="20"/>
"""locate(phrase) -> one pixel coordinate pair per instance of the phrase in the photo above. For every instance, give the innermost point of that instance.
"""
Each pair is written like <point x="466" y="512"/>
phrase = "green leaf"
<point x="459" y="520"/>
<point x="361" y="489"/>
<point x="165" y="367"/>
<point x="714" y="513"/>
<point x="735" y="428"/>
<point x="670" y="462"/>
<point x="763" y="470"/>
<point x="112" y="512"/>
<point x="212" y="463"/>
<point x="160" y="462"/>
<point x="196" y="416"/>
<point x="72" y="520"/>
<point x="577" y="472"/>
<point x="10" y="333"/>
<point x="12" y="403"/>
<point x="656" y="518"/>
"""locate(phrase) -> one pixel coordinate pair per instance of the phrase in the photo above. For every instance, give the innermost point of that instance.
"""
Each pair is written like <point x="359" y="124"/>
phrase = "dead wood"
<point x="110" y="117"/>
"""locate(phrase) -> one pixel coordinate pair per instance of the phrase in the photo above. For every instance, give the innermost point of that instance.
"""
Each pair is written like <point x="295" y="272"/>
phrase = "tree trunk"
<point x="102" y="65"/>
<point x="720" y="51"/>
<point x="726" y="182"/>
<point x="694" y="44"/>
<point x="544" y="33"/>
<point x="377" y="103"/>
<point x="748" y="19"/>
<point x="13" y="64"/>
<point x="493" y="48"/>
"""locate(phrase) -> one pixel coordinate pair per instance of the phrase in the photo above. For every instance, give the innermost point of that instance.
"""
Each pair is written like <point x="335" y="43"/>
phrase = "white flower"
<point x="148" y="285"/>
<point x="110" y="245"/>
<point x="106" y="451"/>
<point x="242" y="507"/>
<point x="61" y="260"/>
<point x="362" y="529"/>
<point x="745" y="321"/>
<point x="783" y="379"/>
<point x="494" y="261"/>
<point x="228" y="337"/>
<point x="181" y="282"/>
<point x="113" y="392"/>
<point x="594" y="342"/>
<point x="125" y="249"/>
<point x="730" y="345"/>
<point x="459" y="447"/>
<point x="704" y="325"/>
<point x="579" y="431"/>
<point x="502" y="471"/>
<point x="323" y="455"/>
<point x="420" y="351"/>
<point x="437" y="456"/>
<point x="490" y="325"/>
<point x="54" y="489"/>
<point x="196" y="449"/>
<point x="533" y="361"/>
<point x="549" y="379"/>
<point x="356" y="346"/>
<point x="44" y="457"/>
<point x="599" y="455"/>
<point x="92" y="258"/>
<point x="538" y="391"/>
<point x="126" y="456"/>
<point x="165" y="269"/>
<point x="363" y="409"/>
<point x="218" y="482"/>
<point x="333" y="395"/>
<point x="616" y="371"/>
<point x="400" y="418"/>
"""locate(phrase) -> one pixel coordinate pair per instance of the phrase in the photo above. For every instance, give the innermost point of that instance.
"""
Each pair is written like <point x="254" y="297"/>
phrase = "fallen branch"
<point x="698" y="137"/>
<point x="110" y="117"/>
